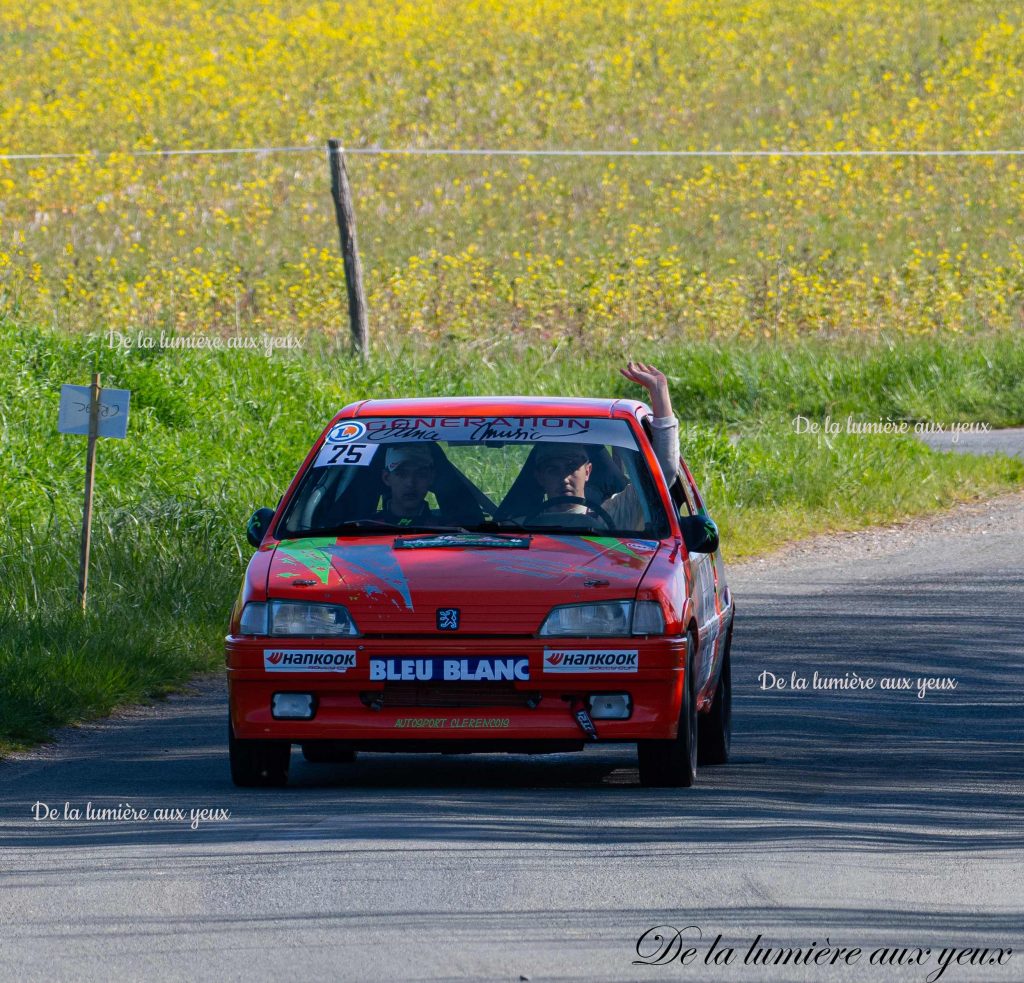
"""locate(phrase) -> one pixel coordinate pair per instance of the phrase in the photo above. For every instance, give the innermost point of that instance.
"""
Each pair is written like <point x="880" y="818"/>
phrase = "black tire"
<point x="327" y="753"/>
<point x="258" y="764"/>
<point x="672" y="763"/>
<point x="714" y="728"/>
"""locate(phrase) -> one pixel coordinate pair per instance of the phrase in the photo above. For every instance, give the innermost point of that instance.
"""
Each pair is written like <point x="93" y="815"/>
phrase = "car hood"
<point x="501" y="585"/>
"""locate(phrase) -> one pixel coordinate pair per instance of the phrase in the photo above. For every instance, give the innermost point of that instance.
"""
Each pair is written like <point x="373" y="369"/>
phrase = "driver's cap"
<point x="550" y="450"/>
<point x="399" y="454"/>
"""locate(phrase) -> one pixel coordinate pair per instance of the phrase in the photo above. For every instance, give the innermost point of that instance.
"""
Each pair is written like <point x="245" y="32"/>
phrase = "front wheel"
<point x="258" y="764"/>
<point x="714" y="728"/>
<point x="672" y="763"/>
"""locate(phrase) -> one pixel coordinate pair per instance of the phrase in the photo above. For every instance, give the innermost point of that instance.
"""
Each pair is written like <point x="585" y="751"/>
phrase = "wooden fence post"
<point x="345" y="212"/>
<point x="90" y="472"/>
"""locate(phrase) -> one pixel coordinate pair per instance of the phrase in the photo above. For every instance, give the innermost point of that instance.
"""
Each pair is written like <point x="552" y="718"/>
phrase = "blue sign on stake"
<point x="112" y="420"/>
<point x="94" y="412"/>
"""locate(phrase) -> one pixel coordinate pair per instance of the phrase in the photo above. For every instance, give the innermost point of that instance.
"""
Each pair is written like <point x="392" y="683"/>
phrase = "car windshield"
<point x="565" y="475"/>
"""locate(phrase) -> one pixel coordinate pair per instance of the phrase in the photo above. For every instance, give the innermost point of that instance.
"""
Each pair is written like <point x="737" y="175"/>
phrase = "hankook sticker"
<point x="315" y="660"/>
<point x="575" y="660"/>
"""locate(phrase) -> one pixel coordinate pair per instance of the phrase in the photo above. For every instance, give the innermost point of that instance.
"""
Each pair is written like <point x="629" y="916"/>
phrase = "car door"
<point x="708" y="579"/>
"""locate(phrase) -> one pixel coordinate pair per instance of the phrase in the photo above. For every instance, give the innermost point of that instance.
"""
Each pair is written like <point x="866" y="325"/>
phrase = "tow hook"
<point x="583" y="719"/>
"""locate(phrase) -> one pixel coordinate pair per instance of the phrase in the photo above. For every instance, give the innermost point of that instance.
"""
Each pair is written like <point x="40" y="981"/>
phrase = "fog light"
<point x="610" y="706"/>
<point x="292" y="706"/>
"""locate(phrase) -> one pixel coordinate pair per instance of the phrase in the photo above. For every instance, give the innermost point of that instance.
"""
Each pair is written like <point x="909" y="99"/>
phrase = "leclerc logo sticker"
<point x="319" y="660"/>
<point x="574" y="660"/>
<point x="346" y="432"/>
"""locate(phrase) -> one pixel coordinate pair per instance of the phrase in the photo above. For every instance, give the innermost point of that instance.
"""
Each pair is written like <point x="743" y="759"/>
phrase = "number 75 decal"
<point x="354" y="454"/>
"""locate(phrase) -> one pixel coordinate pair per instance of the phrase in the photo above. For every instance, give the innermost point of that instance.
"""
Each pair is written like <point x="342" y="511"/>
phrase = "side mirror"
<point x="258" y="526"/>
<point x="700" y="534"/>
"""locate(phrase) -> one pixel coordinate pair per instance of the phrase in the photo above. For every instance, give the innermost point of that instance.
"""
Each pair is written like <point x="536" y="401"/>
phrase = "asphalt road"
<point x="1007" y="441"/>
<point x="865" y="818"/>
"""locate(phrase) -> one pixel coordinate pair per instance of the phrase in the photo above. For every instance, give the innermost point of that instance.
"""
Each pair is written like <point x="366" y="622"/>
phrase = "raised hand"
<point x="654" y="381"/>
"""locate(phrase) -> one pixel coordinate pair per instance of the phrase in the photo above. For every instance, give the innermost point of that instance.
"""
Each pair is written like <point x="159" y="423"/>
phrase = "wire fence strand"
<point x="778" y="152"/>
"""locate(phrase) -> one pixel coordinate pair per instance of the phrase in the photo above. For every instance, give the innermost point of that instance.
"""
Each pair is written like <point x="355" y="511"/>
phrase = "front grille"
<point x="455" y="695"/>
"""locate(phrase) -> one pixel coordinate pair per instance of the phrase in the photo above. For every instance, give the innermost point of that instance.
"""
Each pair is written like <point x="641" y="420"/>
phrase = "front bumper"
<point x="353" y="706"/>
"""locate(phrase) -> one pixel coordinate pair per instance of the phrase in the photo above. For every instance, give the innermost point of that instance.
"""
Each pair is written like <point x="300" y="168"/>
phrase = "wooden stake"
<point x="90" y="469"/>
<point x="344" y="210"/>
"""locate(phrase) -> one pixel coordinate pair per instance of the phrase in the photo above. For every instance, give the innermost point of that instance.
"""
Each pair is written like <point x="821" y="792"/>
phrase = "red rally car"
<point x="483" y="574"/>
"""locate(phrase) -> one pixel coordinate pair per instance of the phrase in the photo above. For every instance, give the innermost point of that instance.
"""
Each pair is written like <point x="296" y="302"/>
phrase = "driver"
<point x="562" y="470"/>
<point x="407" y="477"/>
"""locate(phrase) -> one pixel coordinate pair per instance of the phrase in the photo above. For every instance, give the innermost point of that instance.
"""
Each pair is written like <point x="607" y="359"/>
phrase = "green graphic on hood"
<point x="617" y="545"/>
<point x="313" y="554"/>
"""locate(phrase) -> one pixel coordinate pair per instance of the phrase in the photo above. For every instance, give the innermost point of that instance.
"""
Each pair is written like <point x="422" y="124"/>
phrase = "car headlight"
<point x="607" y="618"/>
<point x="289" y="618"/>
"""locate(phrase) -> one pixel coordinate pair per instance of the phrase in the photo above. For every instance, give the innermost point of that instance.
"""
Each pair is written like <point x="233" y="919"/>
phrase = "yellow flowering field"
<point x="514" y="247"/>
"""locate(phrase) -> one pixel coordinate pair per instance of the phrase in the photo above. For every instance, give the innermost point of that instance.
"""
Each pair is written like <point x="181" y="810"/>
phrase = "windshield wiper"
<point x="395" y="527"/>
<point x="379" y="525"/>
<point x="351" y="524"/>
<point x="318" y="532"/>
<point x="569" y="531"/>
<point x="492" y="526"/>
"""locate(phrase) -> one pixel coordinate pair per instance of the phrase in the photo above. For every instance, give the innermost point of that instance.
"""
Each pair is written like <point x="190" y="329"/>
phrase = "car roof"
<point x="495" y="406"/>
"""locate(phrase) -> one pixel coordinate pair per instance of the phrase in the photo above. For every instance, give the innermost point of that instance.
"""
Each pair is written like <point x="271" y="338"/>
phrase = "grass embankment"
<point x="213" y="436"/>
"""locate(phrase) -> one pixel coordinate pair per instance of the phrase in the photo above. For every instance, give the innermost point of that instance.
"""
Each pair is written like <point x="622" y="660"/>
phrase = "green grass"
<point x="214" y="436"/>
